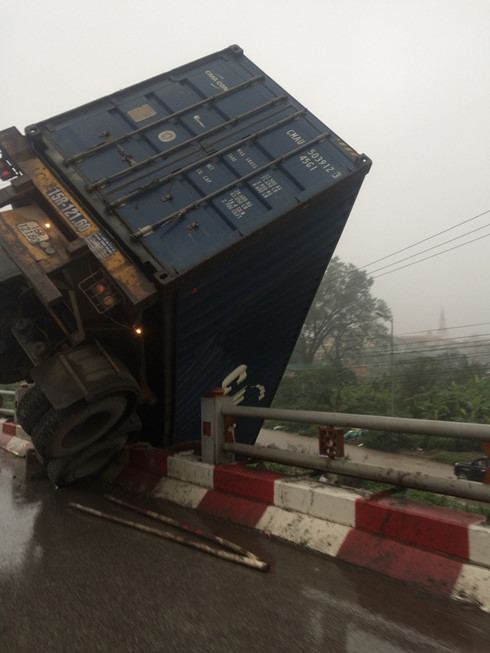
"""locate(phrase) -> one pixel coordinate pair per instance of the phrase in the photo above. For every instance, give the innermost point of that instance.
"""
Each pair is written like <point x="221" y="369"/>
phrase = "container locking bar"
<point x="77" y="158"/>
<point x="149" y="229"/>
<point x="162" y="180"/>
<point x="195" y="139"/>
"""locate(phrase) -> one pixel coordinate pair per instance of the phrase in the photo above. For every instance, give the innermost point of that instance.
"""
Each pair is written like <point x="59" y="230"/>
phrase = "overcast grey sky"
<point x="405" y="81"/>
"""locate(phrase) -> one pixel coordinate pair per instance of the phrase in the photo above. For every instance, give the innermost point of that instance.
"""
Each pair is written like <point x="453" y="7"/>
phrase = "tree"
<point x="343" y="319"/>
<point x="444" y="387"/>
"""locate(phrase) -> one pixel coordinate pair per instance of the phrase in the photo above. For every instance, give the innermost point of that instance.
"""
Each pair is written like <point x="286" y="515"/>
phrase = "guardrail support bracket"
<point x="216" y="429"/>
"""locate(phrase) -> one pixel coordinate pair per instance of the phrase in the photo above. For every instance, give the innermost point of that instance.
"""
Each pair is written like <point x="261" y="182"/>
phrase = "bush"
<point x="387" y="441"/>
<point x="451" y="457"/>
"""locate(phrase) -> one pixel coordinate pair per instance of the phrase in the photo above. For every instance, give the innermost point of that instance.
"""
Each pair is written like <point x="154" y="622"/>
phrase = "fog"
<point x="404" y="81"/>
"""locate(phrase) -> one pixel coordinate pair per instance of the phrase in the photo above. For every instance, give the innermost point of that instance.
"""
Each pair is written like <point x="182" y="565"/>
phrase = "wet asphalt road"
<point x="72" y="583"/>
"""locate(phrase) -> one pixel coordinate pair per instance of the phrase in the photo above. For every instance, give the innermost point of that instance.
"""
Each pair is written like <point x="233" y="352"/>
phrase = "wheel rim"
<point x="88" y="462"/>
<point x="68" y="431"/>
<point x="95" y="462"/>
<point x="91" y="423"/>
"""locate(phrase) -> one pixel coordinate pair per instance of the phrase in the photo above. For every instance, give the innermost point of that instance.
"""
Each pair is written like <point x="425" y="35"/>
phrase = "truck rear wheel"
<point x="32" y="406"/>
<point x="90" y="461"/>
<point x="66" y="431"/>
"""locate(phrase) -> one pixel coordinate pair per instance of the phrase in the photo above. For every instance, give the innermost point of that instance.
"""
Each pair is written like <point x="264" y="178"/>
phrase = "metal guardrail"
<point x="8" y="412"/>
<point x="464" y="430"/>
<point x="218" y="446"/>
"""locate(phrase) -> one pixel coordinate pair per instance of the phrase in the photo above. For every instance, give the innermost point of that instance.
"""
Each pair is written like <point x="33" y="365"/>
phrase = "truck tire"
<point x="88" y="462"/>
<point x="32" y="406"/>
<point x="66" y="431"/>
<point x="132" y="427"/>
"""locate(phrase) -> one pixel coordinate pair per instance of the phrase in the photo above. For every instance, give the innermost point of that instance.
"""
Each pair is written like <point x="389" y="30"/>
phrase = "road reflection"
<point x="18" y="514"/>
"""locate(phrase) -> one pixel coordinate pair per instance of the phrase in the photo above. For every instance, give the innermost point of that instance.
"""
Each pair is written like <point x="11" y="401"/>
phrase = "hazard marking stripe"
<point x="239" y="510"/>
<point x="9" y="428"/>
<point x="182" y="493"/>
<point x="239" y="480"/>
<point x="185" y="468"/>
<point x="473" y="586"/>
<point x="316" y="534"/>
<point x="15" y="445"/>
<point x="150" y="460"/>
<point x="137" y="480"/>
<point x="434" y="528"/>
<point x="401" y="561"/>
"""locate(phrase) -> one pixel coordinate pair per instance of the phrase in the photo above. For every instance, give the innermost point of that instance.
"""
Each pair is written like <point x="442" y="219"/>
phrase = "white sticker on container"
<point x="142" y="112"/>
<point x="100" y="245"/>
<point x="167" y="136"/>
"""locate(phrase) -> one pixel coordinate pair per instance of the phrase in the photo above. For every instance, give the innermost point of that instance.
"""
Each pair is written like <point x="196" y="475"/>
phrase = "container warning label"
<point x="143" y="112"/>
<point x="100" y="245"/>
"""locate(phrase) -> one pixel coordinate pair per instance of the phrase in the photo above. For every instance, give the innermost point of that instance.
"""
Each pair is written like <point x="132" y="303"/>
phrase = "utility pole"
<point x="392" y="359"/>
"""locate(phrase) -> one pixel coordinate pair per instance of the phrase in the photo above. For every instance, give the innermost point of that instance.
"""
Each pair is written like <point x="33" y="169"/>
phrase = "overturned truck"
<point x="157" y="243"/>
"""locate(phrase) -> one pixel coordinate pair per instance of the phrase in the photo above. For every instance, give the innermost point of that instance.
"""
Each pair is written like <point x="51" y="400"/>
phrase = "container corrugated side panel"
<point x="249" y="312"/>
<point x="184" y="166"/>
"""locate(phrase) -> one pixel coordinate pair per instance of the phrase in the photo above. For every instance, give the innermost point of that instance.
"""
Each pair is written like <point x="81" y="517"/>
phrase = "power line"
<point x="429" y="257"/>
<point x="401" y="349"/>
<point x="429" y="249"/>
<point x="449" y="328"/>
<point x="448" y="342"/>
<point x="384" y="357"/>
<point x="424" y="240"/>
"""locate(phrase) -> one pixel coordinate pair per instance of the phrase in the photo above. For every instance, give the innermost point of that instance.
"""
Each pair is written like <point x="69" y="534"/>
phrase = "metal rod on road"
<point x="419" y="481"/>
<point x="255" y="563"/>
<point x="463" y="430"/>
<point x="173" y="522"/>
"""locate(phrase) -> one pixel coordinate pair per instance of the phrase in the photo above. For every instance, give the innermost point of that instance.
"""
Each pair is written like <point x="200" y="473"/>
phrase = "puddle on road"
<point x="17" y="515"/>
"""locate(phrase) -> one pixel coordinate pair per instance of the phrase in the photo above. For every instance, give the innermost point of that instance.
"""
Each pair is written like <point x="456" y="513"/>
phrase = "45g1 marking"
<point x="313" y="160"/>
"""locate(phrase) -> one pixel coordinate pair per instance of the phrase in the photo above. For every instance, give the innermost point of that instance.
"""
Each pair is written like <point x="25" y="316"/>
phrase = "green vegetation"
<point x="345" y="362"/>
<point x="8" y="402"/>
<point x="343" y="317"/>
<point x="465" y="397"/>
<point x="451" y="457"/>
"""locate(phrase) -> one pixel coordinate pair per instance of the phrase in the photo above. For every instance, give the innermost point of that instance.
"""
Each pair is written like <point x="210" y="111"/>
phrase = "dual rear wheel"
<point x="81" y="439"/>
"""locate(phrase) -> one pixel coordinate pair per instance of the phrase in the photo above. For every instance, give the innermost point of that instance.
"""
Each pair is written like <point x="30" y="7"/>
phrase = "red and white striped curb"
<point x="443" y="550"/>
<point x="14" y="439"/>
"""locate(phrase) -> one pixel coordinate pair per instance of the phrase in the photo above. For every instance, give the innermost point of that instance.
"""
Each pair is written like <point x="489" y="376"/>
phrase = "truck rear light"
<point x="100" y="293"/>
<point x="6" y="172"/>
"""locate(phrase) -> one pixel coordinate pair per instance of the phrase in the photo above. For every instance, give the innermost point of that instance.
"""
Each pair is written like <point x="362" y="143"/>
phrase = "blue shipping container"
<point x="231" y="197"/>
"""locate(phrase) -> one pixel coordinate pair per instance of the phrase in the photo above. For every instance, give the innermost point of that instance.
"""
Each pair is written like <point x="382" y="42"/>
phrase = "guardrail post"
<point x="216" y="429"/>
<point x="19" y="392"/>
